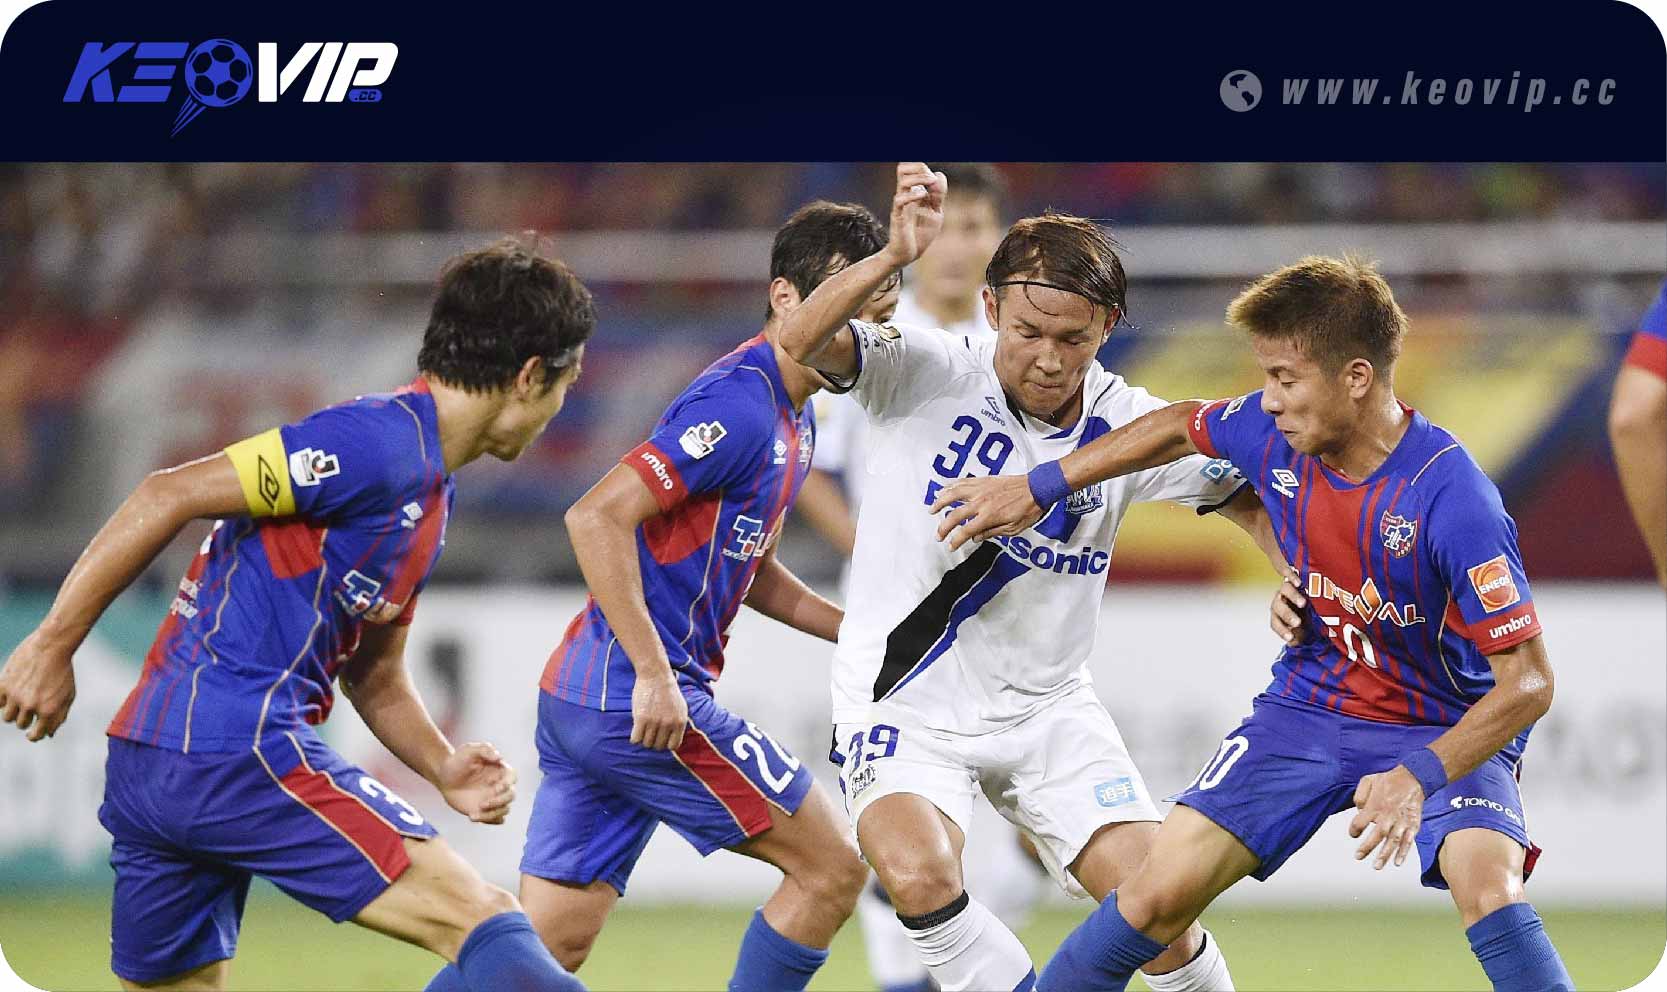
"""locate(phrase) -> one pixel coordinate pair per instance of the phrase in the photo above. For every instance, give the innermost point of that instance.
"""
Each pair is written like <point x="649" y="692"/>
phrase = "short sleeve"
<point x="334" y="462"/>
<point x="900" y="366"/>
<point x="703" y="444"/>
<point x="1202" y="482"/>
<point x="1649" y="344"/>
<point x="1232" y="429"/>
<point x="1473" y="542"/>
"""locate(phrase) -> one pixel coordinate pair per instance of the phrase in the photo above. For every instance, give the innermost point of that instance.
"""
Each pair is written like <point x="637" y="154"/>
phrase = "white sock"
<point x="965" y="947"/>
<point x="1206" y="972"/>
<point x="892" y="960"/>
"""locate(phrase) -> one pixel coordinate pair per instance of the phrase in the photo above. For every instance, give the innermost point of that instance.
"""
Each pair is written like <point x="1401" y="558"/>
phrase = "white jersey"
<point x="841" y="425"/>
<point x="970" y="641"/>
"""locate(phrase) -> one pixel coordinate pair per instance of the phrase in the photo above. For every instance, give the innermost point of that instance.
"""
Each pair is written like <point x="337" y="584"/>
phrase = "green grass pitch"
<point x="59" y="942"/>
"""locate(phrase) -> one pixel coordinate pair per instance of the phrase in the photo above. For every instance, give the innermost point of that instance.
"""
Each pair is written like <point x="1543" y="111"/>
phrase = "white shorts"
<point x="1059" y="776"/>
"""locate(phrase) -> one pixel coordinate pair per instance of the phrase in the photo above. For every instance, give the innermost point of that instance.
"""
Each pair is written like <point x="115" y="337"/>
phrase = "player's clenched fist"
<point x="659" y="713"/>
<point x="477" y="782"/>
<point x="916" y="211"/>
<point x="997" y="506"/>
<point x="37" y="687"/>
<point x="1391" y="808"/>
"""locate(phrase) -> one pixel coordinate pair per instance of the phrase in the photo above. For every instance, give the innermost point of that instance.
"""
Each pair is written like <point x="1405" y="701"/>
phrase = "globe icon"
<point x="218" y="72"/>
<point x="1241" y="90"/>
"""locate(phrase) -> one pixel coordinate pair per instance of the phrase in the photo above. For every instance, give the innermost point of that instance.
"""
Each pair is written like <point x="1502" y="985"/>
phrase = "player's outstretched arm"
<point x="474" y="779"/>
<point x="37" y="684"/>
<point x="1391" y="803"/>
<point x="603" y="527"/>
<point x="1638" y="432"/>
<point x="780" y="595"/>
<point x="1003" y="505"/>
<point x="815" y="333"/>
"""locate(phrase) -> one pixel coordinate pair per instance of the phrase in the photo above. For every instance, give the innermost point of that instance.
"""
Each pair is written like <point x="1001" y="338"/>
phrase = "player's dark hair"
<point x="1062" y="251"/>
<point x="1334" y="309"/>
<point x="500" y="305"/>
<point x="976" y="180"/>
<point x="820" y="239"/>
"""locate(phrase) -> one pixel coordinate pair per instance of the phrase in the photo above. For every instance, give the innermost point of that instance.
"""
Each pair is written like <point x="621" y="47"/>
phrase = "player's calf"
<point x="1483" y="870"/>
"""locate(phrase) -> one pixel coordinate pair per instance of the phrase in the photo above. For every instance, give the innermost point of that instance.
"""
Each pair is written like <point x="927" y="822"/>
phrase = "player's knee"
<point x="1485" y="893"/>
<point x="479" y="902"/>
<point x="570" y="945"/>
<point x="1159" y="912"/>
<point x="919" y="882"/>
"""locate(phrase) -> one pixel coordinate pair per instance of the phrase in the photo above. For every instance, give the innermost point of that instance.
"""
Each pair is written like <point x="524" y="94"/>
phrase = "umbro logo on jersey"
<point x="413" y="512"/>
<point x="700" y="439"/>
<point x="781" y="453"/>
<point x="1285" y="482"/>
<point x="992" y="410"/>
<point x="309" y="466"/>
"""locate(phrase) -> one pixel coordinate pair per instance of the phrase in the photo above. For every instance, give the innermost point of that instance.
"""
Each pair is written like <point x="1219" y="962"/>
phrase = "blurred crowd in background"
<point x="151" y="313"/>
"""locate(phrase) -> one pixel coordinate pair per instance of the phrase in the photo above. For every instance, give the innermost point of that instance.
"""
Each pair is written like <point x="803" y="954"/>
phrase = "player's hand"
<point x="659" y="713"/>
<point x="916" y="212"/>
<point x="37" y="686"/>
<point x="1286" y="612"/>
<point x="994" y="506"/>
<point x="1391" y="807"/>
<point x="477" y="782"/>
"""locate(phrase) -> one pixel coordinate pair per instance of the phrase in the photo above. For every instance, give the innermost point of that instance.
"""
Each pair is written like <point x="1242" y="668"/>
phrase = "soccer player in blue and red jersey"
<point x="328" y="529"/>
<point x="1413" y="699"/>
<point x="672" y="541"/>
<point x="1638" y="429"/>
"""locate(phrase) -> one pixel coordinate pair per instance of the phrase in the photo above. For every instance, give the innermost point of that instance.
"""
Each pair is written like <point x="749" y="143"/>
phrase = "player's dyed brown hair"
<point x="1065" y="252"/>
<point x="500" y="305"/>
<point x="1334" y="309"/>
<point x="820" y="239"/>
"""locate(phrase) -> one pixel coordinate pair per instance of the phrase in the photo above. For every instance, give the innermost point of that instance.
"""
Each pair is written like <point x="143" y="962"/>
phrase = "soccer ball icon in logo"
<point x="218" y="73"/>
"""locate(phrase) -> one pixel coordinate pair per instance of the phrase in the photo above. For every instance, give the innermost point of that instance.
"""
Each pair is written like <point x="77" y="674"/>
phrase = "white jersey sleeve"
<point x="1195" y="481"/>
<point x="902" y="366"/>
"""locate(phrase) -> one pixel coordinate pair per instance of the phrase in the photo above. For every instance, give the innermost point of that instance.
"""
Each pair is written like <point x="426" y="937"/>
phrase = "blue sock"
<point x="1100" y="954"/>
<point x="770" y="962"/>
<point x="1515" y="952"/>
<point x="505" y="953"/>
<point x="447" y="979"/>
<point x="924" y="985"/>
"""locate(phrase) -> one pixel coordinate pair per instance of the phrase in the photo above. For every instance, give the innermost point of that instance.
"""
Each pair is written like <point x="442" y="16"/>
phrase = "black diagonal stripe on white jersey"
<point x="909" y="641"/>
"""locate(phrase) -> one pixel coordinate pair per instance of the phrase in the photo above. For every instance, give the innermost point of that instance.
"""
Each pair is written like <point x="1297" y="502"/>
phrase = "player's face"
<point x="1309" y="404"/>
<point x="1045" y="340"/>
<point x="954" y="268"/>
<point x="525" y="416"/>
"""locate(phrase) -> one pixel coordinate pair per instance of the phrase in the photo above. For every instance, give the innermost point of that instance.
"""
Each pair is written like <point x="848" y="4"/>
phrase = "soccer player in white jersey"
<point x="943" y="288"/>
<point x="964" y="671"/>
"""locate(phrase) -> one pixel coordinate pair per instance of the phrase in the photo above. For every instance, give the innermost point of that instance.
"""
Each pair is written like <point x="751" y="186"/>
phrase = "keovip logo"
<point x="219" y="73"/>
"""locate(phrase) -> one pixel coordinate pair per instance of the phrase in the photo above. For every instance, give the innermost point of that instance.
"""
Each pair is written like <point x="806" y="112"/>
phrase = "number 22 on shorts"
<point x="748" y="748"/>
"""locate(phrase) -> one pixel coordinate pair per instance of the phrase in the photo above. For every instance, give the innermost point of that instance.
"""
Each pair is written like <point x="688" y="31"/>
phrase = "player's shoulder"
<point x="1445" y="474"/>
<point x="738" y="393"/>
<point x="1654" y="323"/>
<point x="381" y="437"/>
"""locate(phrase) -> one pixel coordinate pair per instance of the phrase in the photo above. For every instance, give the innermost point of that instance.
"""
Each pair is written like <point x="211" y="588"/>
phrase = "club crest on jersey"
<point x="1085" y="500"/>
<point x="413" y="512"/>
<point x="309" y="466"/>
<point x="700" y="439"/>
<point x="805" y="444"/>
<point x="1494" y="585"/>
<point x="1234" y="406"/>
<point x="1398" y="533"/>
<point x="1285" y="482"/>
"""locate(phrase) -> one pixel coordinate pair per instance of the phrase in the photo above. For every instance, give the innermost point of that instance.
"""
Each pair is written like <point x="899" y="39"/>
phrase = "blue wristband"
<point x="1047" y="484"/>
<point x="1426" y="768"/>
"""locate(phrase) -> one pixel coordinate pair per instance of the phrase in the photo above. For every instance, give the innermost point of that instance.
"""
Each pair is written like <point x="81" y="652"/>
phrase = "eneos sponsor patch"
<point x="1494" y="585"/>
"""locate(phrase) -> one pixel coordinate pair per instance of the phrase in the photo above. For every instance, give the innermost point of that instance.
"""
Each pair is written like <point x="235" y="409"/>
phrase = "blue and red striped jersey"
<point x="1412" y="574"/>
<point x="348" y="511"/>
<point x="1649" y="343"/>
<point x="725" y="463"/>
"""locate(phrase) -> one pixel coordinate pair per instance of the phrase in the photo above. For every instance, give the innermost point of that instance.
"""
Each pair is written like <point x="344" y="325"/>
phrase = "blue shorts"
<point x="190" y="831"/>
<point x="602" y="796"/>
<point x="1289" y="767"/>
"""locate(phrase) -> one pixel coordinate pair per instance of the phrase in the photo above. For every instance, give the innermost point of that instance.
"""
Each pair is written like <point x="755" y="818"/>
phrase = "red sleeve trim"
<point x="1200" y="432"/>
<point x="658" y="473"/>
<point x="1493" y="635"/>
<point x="1648" y="353"/>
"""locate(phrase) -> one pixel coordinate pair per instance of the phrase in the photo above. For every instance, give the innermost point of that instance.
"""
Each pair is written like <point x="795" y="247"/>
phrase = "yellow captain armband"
<point x="261" y="465"/>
